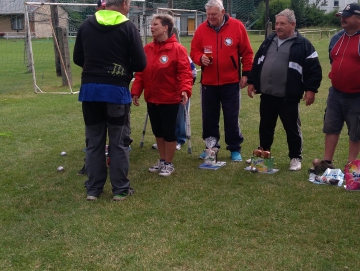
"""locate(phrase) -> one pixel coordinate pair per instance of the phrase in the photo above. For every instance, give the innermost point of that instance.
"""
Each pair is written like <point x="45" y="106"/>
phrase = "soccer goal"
<point x="50" y="34"/>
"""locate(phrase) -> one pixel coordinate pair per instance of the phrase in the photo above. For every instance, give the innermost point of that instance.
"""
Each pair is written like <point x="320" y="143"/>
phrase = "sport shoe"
<point x="81" y="171"/>
<point x="203" y="155"/>
<point x="167" y="170"/>
<point x="123" y="196"/>
<point x="157" y="167"/>
<point x="248" y="161"/>
<point x="178" y="146"/>
<point x="295" y="164"/>
<point x="91" y="198"/>
<point x="236" y="156"/>
<point x="154" y="146"/>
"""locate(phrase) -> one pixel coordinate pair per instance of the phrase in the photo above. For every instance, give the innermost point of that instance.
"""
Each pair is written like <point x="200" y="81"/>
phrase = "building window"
<point x="17" y="23"/>
<point x="336" y="3"/>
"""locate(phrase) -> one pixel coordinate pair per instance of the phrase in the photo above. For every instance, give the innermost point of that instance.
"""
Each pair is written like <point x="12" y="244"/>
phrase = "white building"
<point x="330" y="5"/>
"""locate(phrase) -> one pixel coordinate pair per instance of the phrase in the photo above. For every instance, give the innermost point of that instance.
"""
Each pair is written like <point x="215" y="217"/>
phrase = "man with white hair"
<point x="221" y="74"/>
<point x="285" y="67"/>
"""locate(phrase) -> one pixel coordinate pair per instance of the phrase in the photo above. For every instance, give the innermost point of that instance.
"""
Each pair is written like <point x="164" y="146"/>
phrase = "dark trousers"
<point x="228" y="98"/>
<point x="271" y="108"/>
<point x="100" y="118"/>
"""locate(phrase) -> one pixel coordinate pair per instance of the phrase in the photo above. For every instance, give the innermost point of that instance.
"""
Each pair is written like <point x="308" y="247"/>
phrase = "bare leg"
<point x="331" y="141"/>
<point x="354" y="149"/>
<point x="161" y="147"/>
<point x="170" y="148"/>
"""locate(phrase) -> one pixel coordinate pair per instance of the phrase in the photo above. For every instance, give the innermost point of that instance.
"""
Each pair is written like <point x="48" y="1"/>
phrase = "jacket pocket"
<point x="233" y="62"/>
<point x="116" y="110"/>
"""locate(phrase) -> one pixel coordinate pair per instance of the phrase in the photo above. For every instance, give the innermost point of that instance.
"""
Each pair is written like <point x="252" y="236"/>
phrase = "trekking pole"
<point x="144" y="130"/>
<point x="188" y="127"/>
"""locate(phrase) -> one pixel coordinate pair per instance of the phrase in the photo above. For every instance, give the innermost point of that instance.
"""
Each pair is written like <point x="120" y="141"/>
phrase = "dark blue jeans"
<point x="227" y="97"/>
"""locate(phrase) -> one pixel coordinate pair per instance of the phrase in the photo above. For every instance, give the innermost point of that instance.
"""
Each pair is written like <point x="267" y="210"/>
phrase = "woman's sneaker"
<point x="157" y="167"/>
<point x="167" y="170"/>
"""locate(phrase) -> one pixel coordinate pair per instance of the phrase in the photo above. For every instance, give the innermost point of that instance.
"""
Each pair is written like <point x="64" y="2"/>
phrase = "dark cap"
<point x="350" y="9"/>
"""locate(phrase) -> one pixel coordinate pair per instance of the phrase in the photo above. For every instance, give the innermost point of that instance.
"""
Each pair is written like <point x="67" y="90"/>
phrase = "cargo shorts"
<point x="342" y="107"/>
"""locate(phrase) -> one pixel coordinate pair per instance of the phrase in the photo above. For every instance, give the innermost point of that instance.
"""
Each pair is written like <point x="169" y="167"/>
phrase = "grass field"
<point x="228" y="219"/>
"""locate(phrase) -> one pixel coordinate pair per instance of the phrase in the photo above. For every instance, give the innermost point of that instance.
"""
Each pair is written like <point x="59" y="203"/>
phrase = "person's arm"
<point x="184" y="74"/>
<point x="137" y="54"/>
<point x="312" y="72"/>
<point x="247" y="54"/>
<point x="137" y="88"/>
<point x="196" y="51"/>
<point x="78" y="54"/>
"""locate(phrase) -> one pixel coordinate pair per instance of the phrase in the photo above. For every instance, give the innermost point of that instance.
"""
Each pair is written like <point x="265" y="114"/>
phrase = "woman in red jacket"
<point x="167" y="84"/>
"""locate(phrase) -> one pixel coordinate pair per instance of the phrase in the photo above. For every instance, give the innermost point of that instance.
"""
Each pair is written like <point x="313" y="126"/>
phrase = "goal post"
<point x="47" y="45"/>
<point x="50" y="34"/>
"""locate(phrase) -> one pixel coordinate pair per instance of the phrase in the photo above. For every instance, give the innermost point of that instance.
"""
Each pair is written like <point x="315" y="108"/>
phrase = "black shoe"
<point x="81" y="171"/>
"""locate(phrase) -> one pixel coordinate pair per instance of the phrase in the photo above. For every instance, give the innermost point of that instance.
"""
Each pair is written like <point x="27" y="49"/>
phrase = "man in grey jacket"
<point x="285" y="66"/>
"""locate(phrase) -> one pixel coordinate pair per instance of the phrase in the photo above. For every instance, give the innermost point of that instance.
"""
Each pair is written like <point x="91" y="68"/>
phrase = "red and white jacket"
<point x="229" y="45"/>
<point x="166" y="75"/>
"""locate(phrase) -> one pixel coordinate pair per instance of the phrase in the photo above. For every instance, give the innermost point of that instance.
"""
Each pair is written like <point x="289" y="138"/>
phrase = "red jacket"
<point x="228" y="45"/>
<point x="166" y="75"/>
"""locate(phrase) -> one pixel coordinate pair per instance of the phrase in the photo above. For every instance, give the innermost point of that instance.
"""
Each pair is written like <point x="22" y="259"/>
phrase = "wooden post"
<point x="55" y="23"/>
<point x="269" y="29"/>
<point x="229" y="7"/>
<point x="267" y="19"/>
<point x="65" y="55"/>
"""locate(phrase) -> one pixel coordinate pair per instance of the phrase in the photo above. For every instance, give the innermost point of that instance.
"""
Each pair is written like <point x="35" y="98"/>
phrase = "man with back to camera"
<point x="344" y="95"/>
<point x="221" y="75"/>
<point x="109" y="49"/>
<point x="285" y="66"/>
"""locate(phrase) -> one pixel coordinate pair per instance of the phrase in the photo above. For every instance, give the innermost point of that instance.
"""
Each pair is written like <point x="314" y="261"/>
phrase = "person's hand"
<point x="205" y="60"/>
<point x="309" y="97"/>
<point x="243" y="82"/>
<point x="136" y="100"/>
<point x="251" y="90"/>
<point x="184" y="98"/>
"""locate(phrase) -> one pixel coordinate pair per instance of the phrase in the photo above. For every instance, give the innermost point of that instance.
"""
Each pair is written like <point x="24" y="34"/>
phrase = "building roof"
<point x="14" y="6"/>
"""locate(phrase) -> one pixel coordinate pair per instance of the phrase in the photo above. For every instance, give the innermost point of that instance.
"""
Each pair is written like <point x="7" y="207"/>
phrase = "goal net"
<point x="37" y="41"/>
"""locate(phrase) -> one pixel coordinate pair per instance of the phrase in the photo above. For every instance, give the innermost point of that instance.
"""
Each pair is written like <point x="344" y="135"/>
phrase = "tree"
<point x="299" y="8"/>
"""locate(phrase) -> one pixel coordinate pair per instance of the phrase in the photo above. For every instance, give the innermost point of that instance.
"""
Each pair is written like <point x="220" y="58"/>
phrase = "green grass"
<point x="228" y="219"/>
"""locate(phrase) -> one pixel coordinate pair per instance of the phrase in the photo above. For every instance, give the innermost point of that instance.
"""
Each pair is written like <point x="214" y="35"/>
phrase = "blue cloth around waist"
<point x="94" y="92"/>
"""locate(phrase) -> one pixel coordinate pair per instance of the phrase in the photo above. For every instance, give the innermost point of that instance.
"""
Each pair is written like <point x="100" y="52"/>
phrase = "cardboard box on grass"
<point x="262" y="164"/>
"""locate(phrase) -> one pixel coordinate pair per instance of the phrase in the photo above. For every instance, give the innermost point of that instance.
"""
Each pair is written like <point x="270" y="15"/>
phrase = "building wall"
<point x="42" y="21"/>
<point x="333" y="4"/>
<point x="5" y="24"/>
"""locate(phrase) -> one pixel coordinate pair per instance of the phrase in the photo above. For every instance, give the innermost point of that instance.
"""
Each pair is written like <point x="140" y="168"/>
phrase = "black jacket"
<point x="108" y="54"/>
<point x="304" y="70"/>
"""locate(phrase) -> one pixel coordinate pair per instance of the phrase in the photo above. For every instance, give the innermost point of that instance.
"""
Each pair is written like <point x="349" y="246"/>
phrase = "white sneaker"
<point x="295" y="164"/>
<point x="167" y="170"/>
<point x="248" y="161"/>
<point x="178" y="146"/>
<point x="157" y="167"/>
<point x="154" y="146"/>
